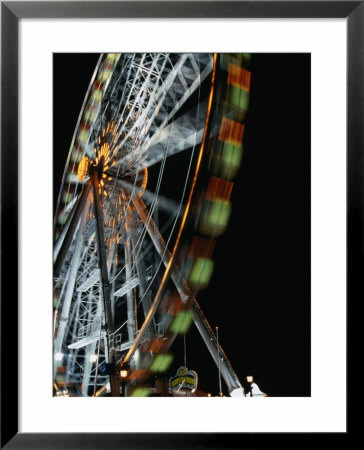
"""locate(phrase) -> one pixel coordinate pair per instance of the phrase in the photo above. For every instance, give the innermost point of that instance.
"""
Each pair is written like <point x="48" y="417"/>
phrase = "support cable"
<point x="218" y="358"/>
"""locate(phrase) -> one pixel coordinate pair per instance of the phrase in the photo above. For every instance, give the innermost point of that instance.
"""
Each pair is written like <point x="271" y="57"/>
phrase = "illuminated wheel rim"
<point x="142" y="112"/>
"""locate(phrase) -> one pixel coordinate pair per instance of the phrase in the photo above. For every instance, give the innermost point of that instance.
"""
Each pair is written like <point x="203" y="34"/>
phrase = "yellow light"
<point x="83" y="168"/>
<point x="145" y="181"/>
<point x="123" y="373"/>
<point x="249" y="379"/>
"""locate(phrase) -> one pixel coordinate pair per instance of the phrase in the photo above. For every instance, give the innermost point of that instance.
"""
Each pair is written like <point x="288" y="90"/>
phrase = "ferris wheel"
<point x="144" y="197"/>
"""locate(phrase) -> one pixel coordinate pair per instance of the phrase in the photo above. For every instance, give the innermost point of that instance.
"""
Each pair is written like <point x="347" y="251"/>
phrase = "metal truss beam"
<point x="215" y="349"/>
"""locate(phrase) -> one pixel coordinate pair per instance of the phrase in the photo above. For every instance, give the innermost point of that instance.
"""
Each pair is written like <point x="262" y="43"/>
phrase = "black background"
<point x="259" y="295"/>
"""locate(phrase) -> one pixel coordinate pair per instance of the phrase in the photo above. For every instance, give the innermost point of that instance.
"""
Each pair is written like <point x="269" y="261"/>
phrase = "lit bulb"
<point x="123" y="373"/>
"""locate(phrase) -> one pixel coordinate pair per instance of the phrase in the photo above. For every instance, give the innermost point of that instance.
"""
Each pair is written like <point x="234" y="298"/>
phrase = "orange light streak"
<point x="168" y="270"/>
<point x="231" y="132"/>
<point x="219" y="188"/>
<point x="239" y="77"/>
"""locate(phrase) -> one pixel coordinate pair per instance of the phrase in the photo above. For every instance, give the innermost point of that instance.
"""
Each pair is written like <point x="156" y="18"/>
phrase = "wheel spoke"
<point x="185" y="132"/>
<point x="165" y="204"/>
<point x="164" y="94"/>
<point x="177" y="106"/>
<point x="62" y="248"/>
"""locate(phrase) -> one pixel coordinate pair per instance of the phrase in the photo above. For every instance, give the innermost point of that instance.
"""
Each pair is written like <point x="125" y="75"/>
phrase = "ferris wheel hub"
<point x="98" y="167"/>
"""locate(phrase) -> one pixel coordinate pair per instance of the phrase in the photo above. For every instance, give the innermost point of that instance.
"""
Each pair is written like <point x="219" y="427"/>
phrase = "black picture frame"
<point x="11" y="12"/>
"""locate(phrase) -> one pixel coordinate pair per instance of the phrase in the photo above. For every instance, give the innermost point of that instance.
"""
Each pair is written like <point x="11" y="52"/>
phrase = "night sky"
<point x="259" y="295"/>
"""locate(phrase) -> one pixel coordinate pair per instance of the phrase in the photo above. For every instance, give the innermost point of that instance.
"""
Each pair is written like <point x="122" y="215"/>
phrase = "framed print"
<point x="263" y="235"/>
